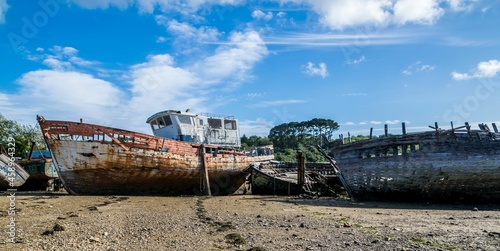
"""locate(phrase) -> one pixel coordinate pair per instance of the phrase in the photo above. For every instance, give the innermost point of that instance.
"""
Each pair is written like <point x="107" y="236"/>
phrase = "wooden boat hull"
<point x="41" y="171"/>
<point x="266" y="184"/>
<point x="91" y="160"/>
<point x="11" y="176"/>
<point x="423" y="167"/>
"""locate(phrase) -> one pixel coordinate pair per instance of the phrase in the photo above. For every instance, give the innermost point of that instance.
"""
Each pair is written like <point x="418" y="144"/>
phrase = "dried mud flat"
<point x="244" y="222"/>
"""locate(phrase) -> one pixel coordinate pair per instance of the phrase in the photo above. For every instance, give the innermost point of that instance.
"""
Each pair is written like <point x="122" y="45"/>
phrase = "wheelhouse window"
<point x="200" y="122"/>
<point x="154" y="125"/>
<point x="184" y="119"/>
<point x="230" y="124"/>
<point x="161" y="123"/>
<point x="167" y="120"/>
<point x="215" y="123"/>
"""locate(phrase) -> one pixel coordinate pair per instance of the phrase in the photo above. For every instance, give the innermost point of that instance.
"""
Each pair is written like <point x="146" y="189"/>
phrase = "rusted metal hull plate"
<point x="439" y="170"/>
<point x="138" y="181"/>
<point x="93" y="159"/>
<point x="100" y="168"/>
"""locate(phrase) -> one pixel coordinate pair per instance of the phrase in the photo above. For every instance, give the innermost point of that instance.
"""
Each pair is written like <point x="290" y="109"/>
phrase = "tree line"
<point x="312" y="132"/>
<point x="23" y="136"/>
<point x="287" y="138"/>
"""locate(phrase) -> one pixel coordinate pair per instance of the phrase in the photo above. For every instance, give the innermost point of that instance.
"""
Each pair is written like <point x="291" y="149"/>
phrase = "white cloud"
<point x="487" y="69"/>
<point x="392" y="122"/>
<point x="356" y="61"/>
<point x="460" y="76"/>
<point x="347" y="13"/>
<point x="68" y="94"/>
<point x="418" y="67"/>
<point x="353" y="94"/>
<point x="306" y="40"/>
<point x="253" y="95"/>
<point x="103" y="4"/>
<point x="234" y="59"/>
<point x="349" y="123"/>
<point x="65" y="92"/>
<point x="312" y="70"/>
<point x="420" y="12"/>
<point x="158" y="84"/>
<point x="186" y="31"/>
<point x="188" y="39"/>
<point x="278" y="103"/>
<point x="149" y="6"/>
<point x="461" y="5"/>
<point x="3" y="9"/>
<point x="342" y="14"/>
<point x="161" y="39"/>
<point x="426" y="67"/>
<point x="375" y="122"/>
<point x="258" y="14"/>
<point x="60" y="58"/>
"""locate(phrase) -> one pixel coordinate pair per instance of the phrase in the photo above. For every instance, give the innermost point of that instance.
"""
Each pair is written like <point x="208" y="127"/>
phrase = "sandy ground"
<point x="59" y="221"/>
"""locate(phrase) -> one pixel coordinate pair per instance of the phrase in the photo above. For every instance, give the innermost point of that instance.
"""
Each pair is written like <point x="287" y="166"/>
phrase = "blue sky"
<point x="361" y="63"/>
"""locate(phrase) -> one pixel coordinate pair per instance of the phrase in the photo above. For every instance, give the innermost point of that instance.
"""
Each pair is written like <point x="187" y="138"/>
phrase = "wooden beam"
<point x="301" y="170"/>
<point x="206" y="180"/>
<point x="118" y="142"/>
<point x="494" y="127"/>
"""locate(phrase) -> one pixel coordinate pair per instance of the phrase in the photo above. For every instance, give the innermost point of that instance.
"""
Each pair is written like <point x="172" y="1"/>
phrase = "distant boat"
<point x="190" y="155"/>
<point x="43" y="174"/>
<point x="458" y="164"/>
<point x="12" y="175"/>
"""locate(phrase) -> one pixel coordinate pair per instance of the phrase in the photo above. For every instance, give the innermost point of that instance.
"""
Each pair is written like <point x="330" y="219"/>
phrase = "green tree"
<point x="288" y="137"/>
<point x="23" y="136"/>
<point x="254" y="141"/>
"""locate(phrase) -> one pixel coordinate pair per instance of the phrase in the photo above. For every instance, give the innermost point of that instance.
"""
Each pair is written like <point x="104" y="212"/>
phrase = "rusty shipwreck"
<point x="189" y="155"/>
<point x="458" y="164"/>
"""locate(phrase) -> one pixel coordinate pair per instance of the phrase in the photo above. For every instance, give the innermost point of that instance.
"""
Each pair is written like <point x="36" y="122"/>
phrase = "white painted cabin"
<point x="189" y="127"/>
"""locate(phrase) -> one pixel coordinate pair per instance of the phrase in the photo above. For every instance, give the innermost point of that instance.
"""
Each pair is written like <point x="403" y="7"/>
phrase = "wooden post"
<point x="386" y="130"/>
<point x="467" y="126"/>
<point x="371" y="132"/>
<point x="349" y="137"/>
<point x="403" y="125"/>
<point x="494" y="127"/>
<point x="453" y="131"/>
<point x="206" y="180"/>
<point x="30" y="155"/>
<point x="301" y="170"/>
